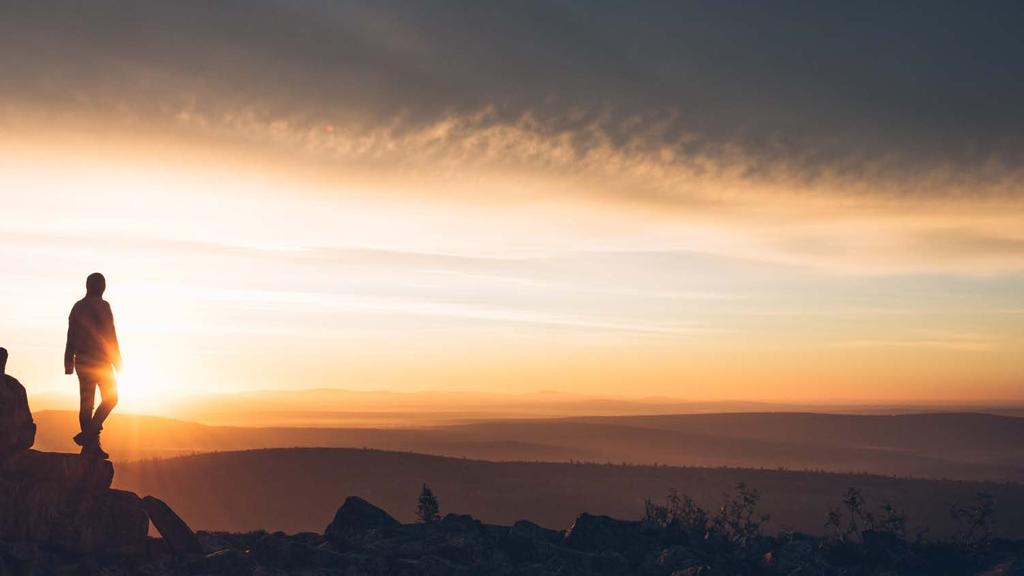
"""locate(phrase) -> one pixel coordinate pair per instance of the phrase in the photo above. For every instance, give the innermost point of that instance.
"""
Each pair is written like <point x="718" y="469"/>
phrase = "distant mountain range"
<point x="338" y="408"/>
<point x="965" y="446"/>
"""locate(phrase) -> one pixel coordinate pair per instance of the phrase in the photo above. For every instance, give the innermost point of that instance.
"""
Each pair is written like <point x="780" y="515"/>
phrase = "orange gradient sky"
<point x="300" y="235"/>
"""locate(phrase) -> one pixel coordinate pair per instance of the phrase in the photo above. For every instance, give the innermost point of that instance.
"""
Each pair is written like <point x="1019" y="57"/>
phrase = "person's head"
<point x="95" y="284"/>
<point x="3" y="360"/>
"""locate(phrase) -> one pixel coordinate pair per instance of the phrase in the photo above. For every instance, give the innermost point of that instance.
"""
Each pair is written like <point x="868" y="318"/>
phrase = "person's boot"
<point x="98" y="451"/>
<point x="86" y="448"/>
<point x="83" y="437"/>
<point x="91" y="447"/>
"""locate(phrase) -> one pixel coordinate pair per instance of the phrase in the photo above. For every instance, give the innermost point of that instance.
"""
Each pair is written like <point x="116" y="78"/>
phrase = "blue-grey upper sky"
<point x="820" y="85"/>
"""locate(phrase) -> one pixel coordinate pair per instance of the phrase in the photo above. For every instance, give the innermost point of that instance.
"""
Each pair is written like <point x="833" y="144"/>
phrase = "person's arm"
<point x="115" y="348"/>
<point x="70" y="349"/>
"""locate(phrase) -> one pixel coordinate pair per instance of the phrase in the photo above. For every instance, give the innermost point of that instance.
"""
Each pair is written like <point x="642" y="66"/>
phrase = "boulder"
<point x="64" y="501"/>
<point x="59" y="501"/>
<point x="179" y="537"/>
<point x="71" y="470"/>
<point x="603" y="534"/>
<point x="70" y="519"/>
<point x="526" y="530"/>
<point x="598" y="533"/>
<point x="528" y="542"/>
<point x="357" y="515"/>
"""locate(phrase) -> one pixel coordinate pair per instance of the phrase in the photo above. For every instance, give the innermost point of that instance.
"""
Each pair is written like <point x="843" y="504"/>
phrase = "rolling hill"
<point x="299" y="489"/>
<point x="957" y="446"/>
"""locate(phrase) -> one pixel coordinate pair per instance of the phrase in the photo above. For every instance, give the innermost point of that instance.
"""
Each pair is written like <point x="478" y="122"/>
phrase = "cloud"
<point x="822" y="89"/>
<point x="845" y="136"/>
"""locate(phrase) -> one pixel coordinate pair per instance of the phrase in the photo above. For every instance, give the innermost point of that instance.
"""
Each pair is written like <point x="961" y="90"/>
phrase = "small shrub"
<point x="655" y="515"/>
<point x="680" y="512"/>
<point x="737" y="520"/>
<point x="974" y="520"/>
<point x="834" y="524"/>
<point x="851" y="525"/>
<point x="427" y="508"/>
<point x="859" y="518"/>
<point x="891" y="521"/>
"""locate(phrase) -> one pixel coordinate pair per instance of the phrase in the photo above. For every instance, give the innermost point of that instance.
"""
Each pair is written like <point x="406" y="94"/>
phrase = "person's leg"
<point x="108" y="395"/>
<point x="87" y="397"/>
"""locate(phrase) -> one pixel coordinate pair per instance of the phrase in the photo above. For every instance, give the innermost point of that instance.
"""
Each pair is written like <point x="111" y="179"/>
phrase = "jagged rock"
<point x="63" y="500"/>
<point x="358" y="515"/>
<point x="528" y="542"/>
<point x="462" y="545"/>
<point x="179" y="537"/>
<point x="530" y="531"/>
<point x="71" y="470"/>
<point x="599" y="534"/>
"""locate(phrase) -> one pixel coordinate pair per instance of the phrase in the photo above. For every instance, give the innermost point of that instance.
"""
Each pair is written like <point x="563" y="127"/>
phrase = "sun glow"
<point x="229" y="278"/>
<point x="149" y="327"/>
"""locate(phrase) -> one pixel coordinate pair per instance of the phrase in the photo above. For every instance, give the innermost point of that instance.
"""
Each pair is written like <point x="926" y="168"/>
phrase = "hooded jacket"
<point x="92" y="338"/>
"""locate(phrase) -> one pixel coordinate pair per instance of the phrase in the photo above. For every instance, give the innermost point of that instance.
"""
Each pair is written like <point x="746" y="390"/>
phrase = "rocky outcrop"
<point x="64" y="501"/>
<point x="58" y="501"/>
<point x="365" y="541"/>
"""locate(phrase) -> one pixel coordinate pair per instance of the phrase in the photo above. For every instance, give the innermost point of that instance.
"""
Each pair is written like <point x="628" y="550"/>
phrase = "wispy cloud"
<point x="950" y="340"/>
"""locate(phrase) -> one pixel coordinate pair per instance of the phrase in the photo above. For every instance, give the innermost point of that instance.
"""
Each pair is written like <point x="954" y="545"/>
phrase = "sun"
<point x="149" y="379"/>
<point x="142" y="388"/>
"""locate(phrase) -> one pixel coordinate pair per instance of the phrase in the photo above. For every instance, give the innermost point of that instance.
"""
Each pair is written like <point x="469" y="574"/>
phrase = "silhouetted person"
<point x="92" y="351"/>
<point x="17" y="430"/>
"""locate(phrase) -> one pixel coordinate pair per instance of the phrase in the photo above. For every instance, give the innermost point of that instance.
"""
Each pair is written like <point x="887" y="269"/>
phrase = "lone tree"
<point x="427" y="509"/>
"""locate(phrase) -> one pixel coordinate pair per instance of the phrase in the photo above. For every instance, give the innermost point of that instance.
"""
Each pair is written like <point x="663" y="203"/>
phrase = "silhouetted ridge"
<point x="672" y="540"/>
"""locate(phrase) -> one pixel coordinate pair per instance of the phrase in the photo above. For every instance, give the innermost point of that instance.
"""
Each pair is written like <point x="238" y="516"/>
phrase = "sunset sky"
<point x="706" y="200"/>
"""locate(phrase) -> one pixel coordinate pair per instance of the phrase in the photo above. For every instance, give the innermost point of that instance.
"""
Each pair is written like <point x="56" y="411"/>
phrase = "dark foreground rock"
<point x="175" y="532"/>
<point x="59" y="515"/>
<point x="366" y="541"/>
<point x="60" y="502"/>
<point x="357" y="516"/>
<point x="64" y="501"/>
